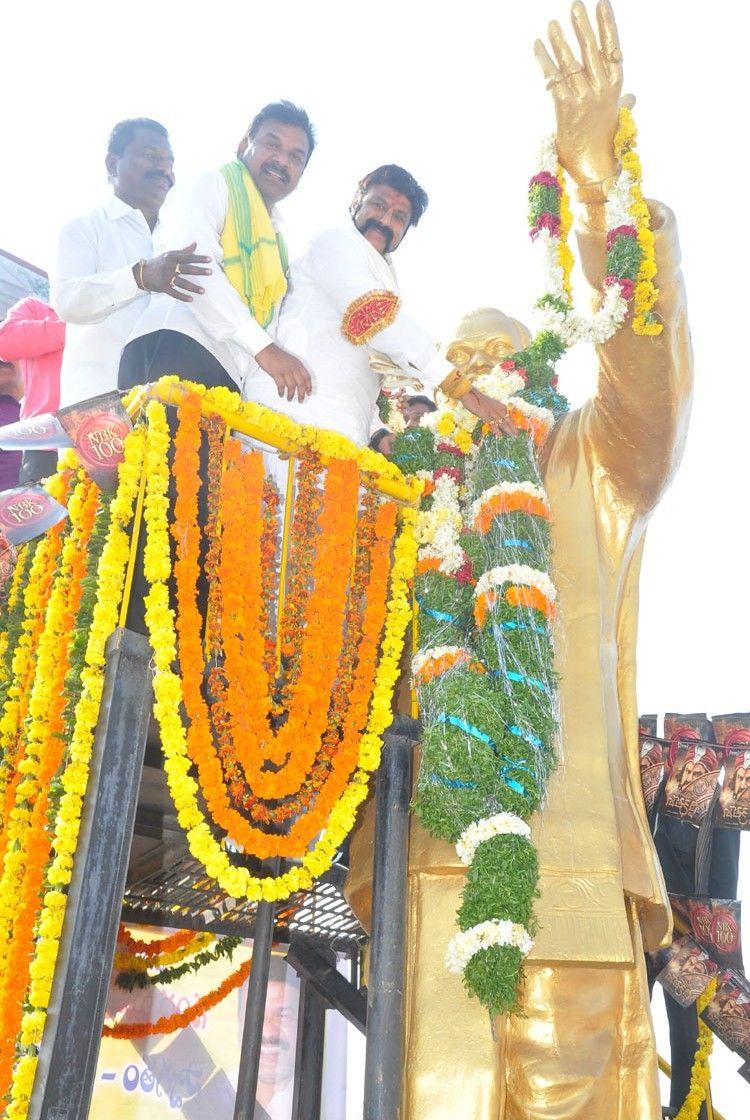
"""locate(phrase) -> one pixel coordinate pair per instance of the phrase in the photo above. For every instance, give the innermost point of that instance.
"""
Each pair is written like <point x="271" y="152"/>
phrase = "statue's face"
<point x="477" y="356"/>
<point x="485" y="338"/>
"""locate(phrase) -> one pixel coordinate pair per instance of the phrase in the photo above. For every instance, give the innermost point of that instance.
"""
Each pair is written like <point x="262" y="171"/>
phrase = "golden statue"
<point x="583" y="1049"/>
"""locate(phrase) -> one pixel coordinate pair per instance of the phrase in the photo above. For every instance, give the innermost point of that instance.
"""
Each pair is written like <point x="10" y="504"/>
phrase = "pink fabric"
<point x="33" y="336"/>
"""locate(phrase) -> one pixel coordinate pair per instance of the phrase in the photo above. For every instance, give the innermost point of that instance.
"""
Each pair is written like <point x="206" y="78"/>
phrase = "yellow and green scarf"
<point x="255" y="256"/>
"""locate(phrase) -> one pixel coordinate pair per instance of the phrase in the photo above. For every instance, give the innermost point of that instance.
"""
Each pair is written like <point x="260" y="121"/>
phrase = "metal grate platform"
<point x="183" y="897"/>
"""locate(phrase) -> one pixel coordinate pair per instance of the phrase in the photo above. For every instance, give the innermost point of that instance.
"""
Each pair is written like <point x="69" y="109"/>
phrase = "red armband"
<point x="369" y="314"/>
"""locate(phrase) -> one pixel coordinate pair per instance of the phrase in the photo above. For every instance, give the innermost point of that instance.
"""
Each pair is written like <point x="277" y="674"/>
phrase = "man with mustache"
<point x="216" y="337"/>
<point x="343" y="312"/>
<point x="106" y="268"/>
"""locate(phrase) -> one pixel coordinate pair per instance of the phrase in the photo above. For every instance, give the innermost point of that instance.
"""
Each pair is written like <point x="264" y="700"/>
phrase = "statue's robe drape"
<point x="584" y="1047"/>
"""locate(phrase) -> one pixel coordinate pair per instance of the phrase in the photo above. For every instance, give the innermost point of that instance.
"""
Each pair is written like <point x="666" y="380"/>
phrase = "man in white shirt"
<point x="106" y="268"/>
<point x="343" y="305"/>
<point x="231" y="214"/>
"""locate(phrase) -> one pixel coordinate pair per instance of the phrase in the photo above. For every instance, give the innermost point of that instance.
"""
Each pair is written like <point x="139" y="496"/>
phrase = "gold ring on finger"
<point x="173" y="281"/>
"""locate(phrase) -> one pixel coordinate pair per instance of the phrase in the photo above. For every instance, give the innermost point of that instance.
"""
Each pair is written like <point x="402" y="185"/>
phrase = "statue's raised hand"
<point x="586" y="92"/>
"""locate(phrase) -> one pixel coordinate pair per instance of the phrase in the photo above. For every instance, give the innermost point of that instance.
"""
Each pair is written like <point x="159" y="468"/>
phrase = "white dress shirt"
<point x="340" y="267"/>
<point x="219" y="320"/>
<point x="95" y="292"/>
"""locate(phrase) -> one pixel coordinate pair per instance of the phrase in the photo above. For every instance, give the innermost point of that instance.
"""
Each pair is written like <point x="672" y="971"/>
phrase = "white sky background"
<point x="452" y="92"/>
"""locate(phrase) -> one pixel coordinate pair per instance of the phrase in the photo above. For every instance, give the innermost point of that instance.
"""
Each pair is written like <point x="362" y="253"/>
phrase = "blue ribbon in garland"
<point x="525" y="735"/>
<point x="507" y="463"/>
<point x="510" y="763"/>
<point x="516" y="542"/>
<point x="519" y="678"/>
<point x="525" y="626"/>
<point x="441" y="616"/>
<point x="452" y="783"/>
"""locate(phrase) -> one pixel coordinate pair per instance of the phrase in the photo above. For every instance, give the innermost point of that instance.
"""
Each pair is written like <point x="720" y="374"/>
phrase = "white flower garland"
<point x="501" y="824"/>
<point x="491" y="492"/>
<point x="466" y="944"/>
<point x="571" y="326"/>
<point x="516" y="573"/>
<point x="438" y="529"/>
<point x="436" y="653"/>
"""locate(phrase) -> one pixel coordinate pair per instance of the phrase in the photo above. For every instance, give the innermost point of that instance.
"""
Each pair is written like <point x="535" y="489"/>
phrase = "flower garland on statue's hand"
<point x="630" y="265"/>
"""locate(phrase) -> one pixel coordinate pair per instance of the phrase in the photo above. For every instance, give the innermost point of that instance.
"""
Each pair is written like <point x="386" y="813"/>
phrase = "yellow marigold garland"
<point x="646" y="292"/>
<point x="132" y="962"/>
<point x="238" y="881"/>
<point x="29" y="828"/>
<point x="700" y="1075"/>
<point x="110" y="581"/>
<point x="327" y="444"/>
<point x="565" y="257"/>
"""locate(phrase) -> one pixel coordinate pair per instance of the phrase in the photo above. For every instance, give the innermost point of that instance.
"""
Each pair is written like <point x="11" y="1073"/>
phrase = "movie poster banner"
<point x="728" y="1014"/>
<point x="192" y="1073"/>
<point x="716" y="924"/>
<point x="692" y="781"/>
<point x="653" y="758"/>
<point x="687" y="970"/>
<point x="27" y="512"/>
<point x="734" y="800"/>
<point x="98" y="428"/>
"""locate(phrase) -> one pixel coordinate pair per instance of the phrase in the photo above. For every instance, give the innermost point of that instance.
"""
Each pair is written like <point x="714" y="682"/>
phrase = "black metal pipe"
<point x="72" y="1035"/>
<point x="311" y="965"/>
<point x="384" y="1052"/>
<point x="257" y="988"/>
<point x="308" y="1064"/>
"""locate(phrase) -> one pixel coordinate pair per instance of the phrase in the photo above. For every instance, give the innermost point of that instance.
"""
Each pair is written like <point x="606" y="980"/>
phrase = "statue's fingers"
<point x="608" y="33"/>
<point x="554" y="78"/>
<point x="610" y="41"/>
<point x="590" y="52"/>
<point x="571" y="67"/>
<point x="566" y="60"/>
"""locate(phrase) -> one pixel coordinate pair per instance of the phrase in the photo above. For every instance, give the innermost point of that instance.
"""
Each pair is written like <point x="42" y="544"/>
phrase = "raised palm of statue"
<point x="586" y="94"/>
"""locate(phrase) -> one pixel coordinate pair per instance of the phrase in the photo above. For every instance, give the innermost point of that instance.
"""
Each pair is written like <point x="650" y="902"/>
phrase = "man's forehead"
<point x="150" y="138"/>
<point x="293" y="133"/>
<point x="389" y="194"/>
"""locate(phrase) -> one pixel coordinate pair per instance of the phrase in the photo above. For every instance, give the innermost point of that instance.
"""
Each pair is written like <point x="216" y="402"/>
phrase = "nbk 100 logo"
<point x="101" y="440"/>
<point x="26" y="512"/>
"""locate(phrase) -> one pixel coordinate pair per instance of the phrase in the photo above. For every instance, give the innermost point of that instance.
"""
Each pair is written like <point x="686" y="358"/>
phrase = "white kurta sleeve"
<point x="198" y="213"/>
<point x="80" y="293"/>
<point x="371" y="311"/>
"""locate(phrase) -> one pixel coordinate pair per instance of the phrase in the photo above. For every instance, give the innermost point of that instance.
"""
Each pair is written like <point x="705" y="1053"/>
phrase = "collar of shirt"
<point x="114" y="208"/>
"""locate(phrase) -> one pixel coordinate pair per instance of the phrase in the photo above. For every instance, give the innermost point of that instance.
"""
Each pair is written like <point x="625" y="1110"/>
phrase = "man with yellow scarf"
<point x="215" y="335"/>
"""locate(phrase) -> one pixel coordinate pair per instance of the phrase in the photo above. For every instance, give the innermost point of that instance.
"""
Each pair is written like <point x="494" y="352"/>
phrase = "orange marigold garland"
<point x="30" y="825"/>
<point x="167" y="1024"/>
<point x="148" y="949"/>
<point x="302" y="546"/>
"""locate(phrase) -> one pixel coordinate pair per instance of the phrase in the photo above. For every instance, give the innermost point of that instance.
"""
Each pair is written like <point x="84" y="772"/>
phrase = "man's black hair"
<point x="285" y="113"/>
<point x="391" y="175"/>
<point x="431" y="406"/>
<point x="376" y="437"/>
<point x="124" y="133"/>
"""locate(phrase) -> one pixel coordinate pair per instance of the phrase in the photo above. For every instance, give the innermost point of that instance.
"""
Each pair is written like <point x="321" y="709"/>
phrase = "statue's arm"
<point x="636" y="423"/>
